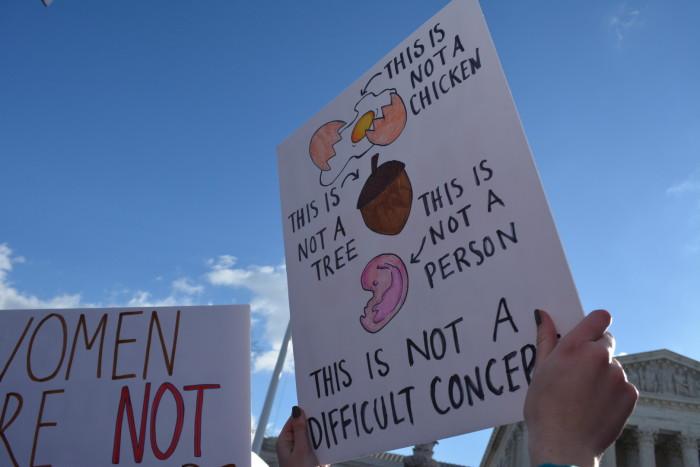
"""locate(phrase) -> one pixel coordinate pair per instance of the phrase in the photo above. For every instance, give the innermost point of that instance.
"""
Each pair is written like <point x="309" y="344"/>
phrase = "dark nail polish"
<point x="538" y="318"/>
<point x="296" y="411"/>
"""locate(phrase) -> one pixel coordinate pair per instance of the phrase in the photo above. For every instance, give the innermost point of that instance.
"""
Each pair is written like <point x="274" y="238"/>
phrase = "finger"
<point x="301" y="434"/>
<point x="607" y="340"/>
<point x="546" y="336"/>
<point x="285" y="440"/>
<point x="616" y="366"/>
<point x="591" y="328"/>
<point x="625" y="400"/>
<point x="625" y="396"/>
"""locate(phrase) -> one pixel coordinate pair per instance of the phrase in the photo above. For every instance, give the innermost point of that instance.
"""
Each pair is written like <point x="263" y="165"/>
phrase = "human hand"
<point x="293" y="443"/>
<point x="579" y="399"/>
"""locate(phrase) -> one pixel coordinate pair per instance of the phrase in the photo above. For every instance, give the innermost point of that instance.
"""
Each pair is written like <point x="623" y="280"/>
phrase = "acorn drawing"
<point x="386" y="197"/>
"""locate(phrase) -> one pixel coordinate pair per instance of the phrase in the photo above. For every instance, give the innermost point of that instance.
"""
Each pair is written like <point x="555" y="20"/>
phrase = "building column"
<point x="689" y="445"/>
<point x="521" y="454"/>
<point x="645" y="442"/>
<point x="422" y="456"/>
<point x="609" y="457"/>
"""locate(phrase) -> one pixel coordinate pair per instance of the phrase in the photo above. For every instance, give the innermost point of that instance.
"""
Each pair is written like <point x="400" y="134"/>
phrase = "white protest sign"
<point x="125" y="386"/>
<point x="418" y="244"/>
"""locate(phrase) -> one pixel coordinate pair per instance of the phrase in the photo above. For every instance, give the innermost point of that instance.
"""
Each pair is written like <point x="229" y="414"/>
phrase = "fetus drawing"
<point x="386" y="277"/>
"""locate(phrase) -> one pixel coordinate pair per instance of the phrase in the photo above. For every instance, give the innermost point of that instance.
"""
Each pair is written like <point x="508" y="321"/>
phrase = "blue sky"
<point x="138" y="166"/>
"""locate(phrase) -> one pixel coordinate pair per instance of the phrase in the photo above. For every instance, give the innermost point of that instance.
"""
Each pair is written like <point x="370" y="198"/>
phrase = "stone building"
<point x="422" y="457"/>
<point x="663" y="430"/>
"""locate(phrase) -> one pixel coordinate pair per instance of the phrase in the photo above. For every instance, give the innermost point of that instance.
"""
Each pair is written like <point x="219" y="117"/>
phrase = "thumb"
<point x="301" y="435"/>
<point x="546" y="336"/>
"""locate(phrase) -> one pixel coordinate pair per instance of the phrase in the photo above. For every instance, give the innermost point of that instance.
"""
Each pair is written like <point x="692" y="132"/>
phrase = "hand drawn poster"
<point x="418" y="244"/>
<point x="127" y="386"/>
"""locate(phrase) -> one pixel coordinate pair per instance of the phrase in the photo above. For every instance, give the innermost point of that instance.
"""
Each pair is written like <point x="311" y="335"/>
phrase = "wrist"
<point x="556" y="454"/>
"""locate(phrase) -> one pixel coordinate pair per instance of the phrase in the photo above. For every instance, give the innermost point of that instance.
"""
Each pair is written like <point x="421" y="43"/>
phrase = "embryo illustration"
<point x="379" y="119"/>
<point x="386" y="277"/>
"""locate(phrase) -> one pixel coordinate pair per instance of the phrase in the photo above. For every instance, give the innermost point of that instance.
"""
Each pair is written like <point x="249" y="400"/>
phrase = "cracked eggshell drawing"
<point x="386" y="277"/>
<point x="379" y="119"/>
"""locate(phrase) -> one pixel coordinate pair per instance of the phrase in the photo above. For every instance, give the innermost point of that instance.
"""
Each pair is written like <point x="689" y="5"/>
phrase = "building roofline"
<point x="659" y="354"/>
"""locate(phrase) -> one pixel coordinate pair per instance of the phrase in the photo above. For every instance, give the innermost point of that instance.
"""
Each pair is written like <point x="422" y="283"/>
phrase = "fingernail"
<point x="538" y="317"/>
<point x="296" y="411"/>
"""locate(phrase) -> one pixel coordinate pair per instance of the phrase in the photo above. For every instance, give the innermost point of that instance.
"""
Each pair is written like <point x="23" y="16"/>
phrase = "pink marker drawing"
<point x="386" y="277"/>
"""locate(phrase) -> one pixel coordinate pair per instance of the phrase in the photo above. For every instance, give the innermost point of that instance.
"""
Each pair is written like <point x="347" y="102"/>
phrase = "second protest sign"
<point x="134" y="386"/>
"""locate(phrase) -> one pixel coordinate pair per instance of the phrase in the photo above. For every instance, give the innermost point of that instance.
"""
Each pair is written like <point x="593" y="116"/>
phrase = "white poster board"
<point x="125" y="386"/>
<point x="418" y="244"/>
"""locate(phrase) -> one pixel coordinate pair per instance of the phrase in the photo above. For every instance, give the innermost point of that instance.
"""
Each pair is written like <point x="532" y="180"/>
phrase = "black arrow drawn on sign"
<point x="355" y="175"/>
<point x="364" y="90"/>
<point x="414" y="258"/>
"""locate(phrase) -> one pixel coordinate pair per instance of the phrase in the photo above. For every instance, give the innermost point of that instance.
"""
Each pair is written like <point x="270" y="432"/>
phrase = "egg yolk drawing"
<point x="386" y="277"/>
<point x="379" y="119"/>
<point x="361" y="127"/>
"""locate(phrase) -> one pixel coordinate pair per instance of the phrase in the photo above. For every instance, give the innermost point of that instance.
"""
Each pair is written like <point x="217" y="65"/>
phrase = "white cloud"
<point x="622" y="22"/>
<point x="183" y="285"/>
<point x="270" y="429"/>
<point x="12" y="298"/>
<point x="181" y="293"/>
<point x="5" y="260"/>
<point x="266" y="360"/>
<point x="141" y="298"/>
<point x="268" y="288"/>
<point x="693" y="247"/>
<point x="687" y="189"/>
<point x="222" y="262"/>
<point x="687" y="186"/>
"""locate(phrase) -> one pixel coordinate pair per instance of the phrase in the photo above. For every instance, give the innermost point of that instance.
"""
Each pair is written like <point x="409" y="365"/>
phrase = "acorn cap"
<point x="379" y="180"/>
